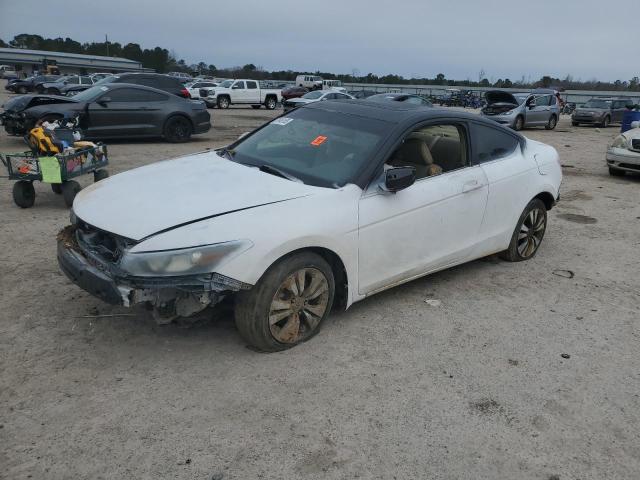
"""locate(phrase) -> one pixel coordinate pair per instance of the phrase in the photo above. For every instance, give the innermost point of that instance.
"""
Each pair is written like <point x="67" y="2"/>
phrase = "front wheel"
<point x="529" y="232"/>
<point x="223" y="102"/>
<point x="614" y="172"/>
<point x="288" y="304"/>
<point x="605" y="123"/>
<point x="24" y="195"/>
<point x="551" y="124"/>
<point x="519" y="124"/>
<point x="271" y="103"/>
<point x="177" y="130"/>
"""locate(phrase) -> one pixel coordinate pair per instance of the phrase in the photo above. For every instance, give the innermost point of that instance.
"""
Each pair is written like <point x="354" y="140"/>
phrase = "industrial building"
<point x="30" y="61"/>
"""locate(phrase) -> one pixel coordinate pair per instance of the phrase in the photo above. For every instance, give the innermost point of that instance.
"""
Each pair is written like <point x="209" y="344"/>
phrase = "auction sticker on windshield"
<point x="319" y="140"/>
<point x="282" y="121"/>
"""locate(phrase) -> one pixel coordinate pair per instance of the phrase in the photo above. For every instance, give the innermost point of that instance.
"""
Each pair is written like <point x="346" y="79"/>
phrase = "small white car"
<point x="623" y="155"/>
<point x="313" y="211"/>
<point x="315" y="96"/>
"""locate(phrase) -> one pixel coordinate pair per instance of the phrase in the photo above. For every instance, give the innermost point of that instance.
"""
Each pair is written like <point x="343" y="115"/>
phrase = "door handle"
<point x="471" y="185"/>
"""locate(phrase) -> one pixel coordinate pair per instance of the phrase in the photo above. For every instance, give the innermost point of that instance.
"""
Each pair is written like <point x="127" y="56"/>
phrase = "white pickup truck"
<point x="239" y="92"/>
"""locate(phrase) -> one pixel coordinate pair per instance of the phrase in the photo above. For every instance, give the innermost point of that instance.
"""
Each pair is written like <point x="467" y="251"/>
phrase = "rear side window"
<point x="491" y="143"/>
<point x="543" y="101"/>
<point x="124" y="95"/>
<point x="252" y="85"/>
<point x="165" y="82"/>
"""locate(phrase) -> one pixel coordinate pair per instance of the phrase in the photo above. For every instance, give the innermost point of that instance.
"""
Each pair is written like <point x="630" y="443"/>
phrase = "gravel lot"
<point x="475" y="388"/>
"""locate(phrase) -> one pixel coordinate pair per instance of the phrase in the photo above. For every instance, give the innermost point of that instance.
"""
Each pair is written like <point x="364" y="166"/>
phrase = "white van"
<point x="312" y="82"/>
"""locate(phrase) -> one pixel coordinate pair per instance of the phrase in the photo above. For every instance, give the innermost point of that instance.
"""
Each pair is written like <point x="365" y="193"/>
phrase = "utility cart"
<point x="57" y="169"/>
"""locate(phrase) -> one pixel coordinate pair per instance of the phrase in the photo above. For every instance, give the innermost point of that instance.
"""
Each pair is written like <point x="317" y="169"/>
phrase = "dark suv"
<point x="600" y="111"/>
<point x="155" y="80"/>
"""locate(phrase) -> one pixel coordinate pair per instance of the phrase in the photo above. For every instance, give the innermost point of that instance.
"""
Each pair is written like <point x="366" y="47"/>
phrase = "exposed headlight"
<point x="188" y="261"/>
<point x="619" y="142"/>
<point x="509" y="112"/>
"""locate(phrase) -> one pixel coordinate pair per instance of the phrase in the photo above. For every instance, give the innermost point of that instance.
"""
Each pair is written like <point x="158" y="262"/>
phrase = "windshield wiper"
<point x="276" y="171"/>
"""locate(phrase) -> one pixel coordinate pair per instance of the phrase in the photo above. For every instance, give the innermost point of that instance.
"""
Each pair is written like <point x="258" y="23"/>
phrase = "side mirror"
<point x="399" y="178"/>
<point x="104" y="101"/>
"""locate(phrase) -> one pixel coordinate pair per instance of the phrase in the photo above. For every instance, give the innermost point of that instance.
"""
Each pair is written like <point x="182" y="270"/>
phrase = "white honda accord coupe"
<point x="315" y="210"/>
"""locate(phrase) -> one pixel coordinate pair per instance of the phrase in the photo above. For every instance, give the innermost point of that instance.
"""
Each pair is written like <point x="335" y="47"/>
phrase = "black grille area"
<point x="107" y="246"/>
<point x="635" y="144"/>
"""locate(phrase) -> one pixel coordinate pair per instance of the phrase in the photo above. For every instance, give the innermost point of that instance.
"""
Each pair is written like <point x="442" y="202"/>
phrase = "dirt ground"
<point x="474" y="388"/>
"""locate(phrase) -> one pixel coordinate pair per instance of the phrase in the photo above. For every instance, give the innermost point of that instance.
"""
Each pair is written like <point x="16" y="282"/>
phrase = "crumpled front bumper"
<point x="189" y="293"/>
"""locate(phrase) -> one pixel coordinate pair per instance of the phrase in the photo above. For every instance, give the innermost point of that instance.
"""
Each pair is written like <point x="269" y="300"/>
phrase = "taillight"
<point x="185" y="93"/>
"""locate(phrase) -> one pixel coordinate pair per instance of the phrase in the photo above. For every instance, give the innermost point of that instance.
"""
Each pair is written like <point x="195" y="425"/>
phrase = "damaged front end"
<point x="171" y="283"/>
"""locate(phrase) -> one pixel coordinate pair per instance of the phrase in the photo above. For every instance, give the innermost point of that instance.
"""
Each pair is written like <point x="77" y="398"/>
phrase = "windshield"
<point x="227" y="83"/>
<point x="90" y="94"/>
<point x="521" y="97"/>
<point x="313" y="95"/>
<point x="326" y="149"/>
<point x="595" y="103"/>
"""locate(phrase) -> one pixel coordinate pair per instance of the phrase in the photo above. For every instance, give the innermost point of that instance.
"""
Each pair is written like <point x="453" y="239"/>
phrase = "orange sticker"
<point x="319" y="140"/>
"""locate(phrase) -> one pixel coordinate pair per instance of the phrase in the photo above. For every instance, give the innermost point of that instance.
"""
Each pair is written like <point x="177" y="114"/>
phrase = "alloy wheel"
<point x="531" y="233"/>
<point x="298" y="305"/>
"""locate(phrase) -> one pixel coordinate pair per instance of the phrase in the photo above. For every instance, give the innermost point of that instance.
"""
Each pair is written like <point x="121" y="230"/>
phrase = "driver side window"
<point x="432" y="150"/>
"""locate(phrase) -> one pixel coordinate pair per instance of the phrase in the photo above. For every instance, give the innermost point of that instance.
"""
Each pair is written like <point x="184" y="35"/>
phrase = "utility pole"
<point x="106" y="40"/>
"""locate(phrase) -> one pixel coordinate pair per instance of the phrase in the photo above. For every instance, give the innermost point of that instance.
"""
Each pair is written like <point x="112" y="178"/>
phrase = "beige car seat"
<point x="414" y="152"/>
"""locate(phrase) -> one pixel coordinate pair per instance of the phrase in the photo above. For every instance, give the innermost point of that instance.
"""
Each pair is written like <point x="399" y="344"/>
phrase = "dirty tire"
<point x="528" y="234"/>
<point x="223" y="102"/>
<point x="575" y="124"/>
<point x="271" y="103"/>
<point x="551" y="124"/>
<point x="24" y="195"/>
<point x="100" y="174"/>
<point x="256" y="107"/>
<point x="614" y="172"/>
<point x="605" y="122"/>
<point x="519" y="125"/>
<point x="70" y="189"/>
<point x="267" y="331"/>
<point x="56" y="188"/>
<point x="177" y="129"/>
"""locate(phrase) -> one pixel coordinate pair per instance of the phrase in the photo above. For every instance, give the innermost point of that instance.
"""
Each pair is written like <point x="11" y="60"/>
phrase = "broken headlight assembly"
<point x="620" y="142"/>
<point x="187" y="261"/>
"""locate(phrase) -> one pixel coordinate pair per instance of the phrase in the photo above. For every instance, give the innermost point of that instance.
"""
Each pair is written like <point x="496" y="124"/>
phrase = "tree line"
<point x="162" y="60"/>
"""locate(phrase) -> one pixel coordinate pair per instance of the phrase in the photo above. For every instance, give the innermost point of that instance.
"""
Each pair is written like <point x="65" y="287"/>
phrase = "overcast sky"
<point x="584" y="38"/>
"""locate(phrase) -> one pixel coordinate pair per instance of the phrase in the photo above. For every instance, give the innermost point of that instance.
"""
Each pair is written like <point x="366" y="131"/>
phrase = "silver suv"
<point x="520" y="110"/>
<point x="600" y="111"/>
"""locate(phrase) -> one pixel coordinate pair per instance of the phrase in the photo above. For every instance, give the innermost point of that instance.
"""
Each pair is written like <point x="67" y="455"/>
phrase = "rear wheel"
<point x="24" y="195"/>
<point x="551" y="124"/>
<point x="177" y="130"/>
<point x="56" y="188"/>
<point x="70" y="189"/>
<point x="271" y="103"/>
<point x="605" y="123"/>
<point x="100" y="175"/>
<point x="529" y="232"/>
<point x="519" y="124"/>
<point x="614" y="172"/>
<point x="288" y="304"/>
<point x="223" y="102"/>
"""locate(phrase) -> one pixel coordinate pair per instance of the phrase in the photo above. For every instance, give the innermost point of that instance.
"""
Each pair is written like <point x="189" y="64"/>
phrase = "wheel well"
<point x="270" y="95"/>
<point x="547" y="199"/>
<point x="339" y="273"/>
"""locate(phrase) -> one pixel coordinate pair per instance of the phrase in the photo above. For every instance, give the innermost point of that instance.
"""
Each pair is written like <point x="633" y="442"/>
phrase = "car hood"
<point x="498" y="96"/>
<point x="162" y="196"/>
<point x="18" y="104"/>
